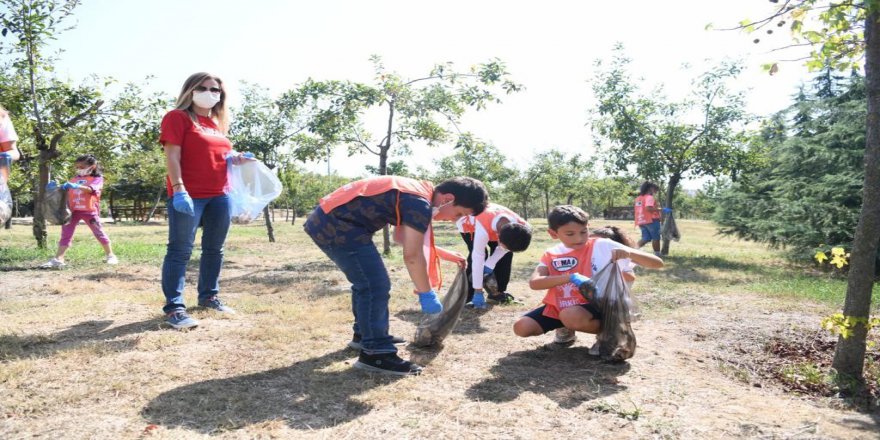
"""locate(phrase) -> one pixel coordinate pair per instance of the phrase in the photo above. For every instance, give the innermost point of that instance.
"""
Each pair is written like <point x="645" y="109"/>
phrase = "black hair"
<point x="647" y="186"/>
<point x="469" y="192"/>
<point x="614" y="233"/>
<point x="90" y="159"/>
<point x="515" y="237"/>
<point x="565" y="214"/>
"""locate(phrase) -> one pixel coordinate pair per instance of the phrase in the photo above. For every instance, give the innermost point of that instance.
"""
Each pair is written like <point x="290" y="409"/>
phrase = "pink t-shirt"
<point x="7" y="132"/>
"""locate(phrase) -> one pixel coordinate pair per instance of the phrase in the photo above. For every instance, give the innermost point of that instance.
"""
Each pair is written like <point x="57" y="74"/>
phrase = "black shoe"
<point x="355" y="342"/>
<point x="504" y="299"/>
<point x="387" y="363"/>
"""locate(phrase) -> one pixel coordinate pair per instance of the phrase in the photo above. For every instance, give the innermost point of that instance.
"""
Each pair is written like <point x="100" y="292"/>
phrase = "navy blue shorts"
<point x="651" y="231"/>
<point x="548" y="323"/>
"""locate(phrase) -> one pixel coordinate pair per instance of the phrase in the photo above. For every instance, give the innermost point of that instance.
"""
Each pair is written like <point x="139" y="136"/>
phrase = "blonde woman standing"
<point x="193" y="136"/>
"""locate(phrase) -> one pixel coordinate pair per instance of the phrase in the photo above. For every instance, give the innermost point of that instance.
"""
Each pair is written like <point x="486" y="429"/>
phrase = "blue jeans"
<point x="651" y="231"/>
<point x="370" y="292"/>
<point x="213" y="214"/>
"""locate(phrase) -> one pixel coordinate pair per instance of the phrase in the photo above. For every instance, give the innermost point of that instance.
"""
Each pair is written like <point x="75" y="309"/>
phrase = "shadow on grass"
<point x="569" y="377"/>
<point x="305" y="395"/>
<point x="692" y="268"/>
<point x="80" y="335"/>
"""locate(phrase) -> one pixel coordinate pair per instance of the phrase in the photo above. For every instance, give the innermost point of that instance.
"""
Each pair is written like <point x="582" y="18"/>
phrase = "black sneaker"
<point x="504" y="299"/>
<point x="387" y="363"/>
<point x="355" y="342"/>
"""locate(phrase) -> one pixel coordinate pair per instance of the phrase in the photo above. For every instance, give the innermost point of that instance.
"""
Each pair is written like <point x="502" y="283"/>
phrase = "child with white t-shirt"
<point x="565" y="267"/>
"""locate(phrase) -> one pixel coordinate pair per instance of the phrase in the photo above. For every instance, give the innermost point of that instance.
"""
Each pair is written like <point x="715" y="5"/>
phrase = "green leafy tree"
<point x="54" y="107"/>
<point x="842" y="35"/>
<point x="427" y="109"/>
<point x="665" y="140"/>
<point x="475" y="158"/>
<point x="809" y="190"/>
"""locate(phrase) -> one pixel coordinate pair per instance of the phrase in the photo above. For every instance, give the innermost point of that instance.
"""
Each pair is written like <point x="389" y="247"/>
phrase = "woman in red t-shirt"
<point x="196" y="151"/>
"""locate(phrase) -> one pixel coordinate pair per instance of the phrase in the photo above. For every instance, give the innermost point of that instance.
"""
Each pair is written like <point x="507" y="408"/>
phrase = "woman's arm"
<point x="172" y="163"/>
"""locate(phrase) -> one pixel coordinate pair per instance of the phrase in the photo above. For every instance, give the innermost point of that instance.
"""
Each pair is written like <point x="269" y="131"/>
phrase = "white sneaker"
<point x="53" y="263"/>
<point x="111" y="259"/>
<point x="565" y="336"/>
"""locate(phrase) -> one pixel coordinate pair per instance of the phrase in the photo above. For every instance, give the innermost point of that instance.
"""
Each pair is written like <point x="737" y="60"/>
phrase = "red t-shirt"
<point x="642" y="215"/>
<point x="203" y="149"/>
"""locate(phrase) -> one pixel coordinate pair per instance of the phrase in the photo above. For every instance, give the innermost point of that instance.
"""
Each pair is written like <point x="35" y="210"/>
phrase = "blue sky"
<point x="548" y="46"/>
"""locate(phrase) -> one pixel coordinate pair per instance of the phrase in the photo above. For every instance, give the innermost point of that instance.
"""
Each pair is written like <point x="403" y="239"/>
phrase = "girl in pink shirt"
<point x="83" y="198"/>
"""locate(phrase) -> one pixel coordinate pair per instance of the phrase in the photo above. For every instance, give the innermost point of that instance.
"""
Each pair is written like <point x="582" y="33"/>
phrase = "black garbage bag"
<point x="54" y="206"/>
<point x="616" y="339"/>
<point x="670" y="230"/>
<point x="433" y="329"/>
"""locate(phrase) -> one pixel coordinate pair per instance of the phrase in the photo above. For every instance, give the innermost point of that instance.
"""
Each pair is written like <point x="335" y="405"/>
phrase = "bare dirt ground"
<point x="84" y="356"/>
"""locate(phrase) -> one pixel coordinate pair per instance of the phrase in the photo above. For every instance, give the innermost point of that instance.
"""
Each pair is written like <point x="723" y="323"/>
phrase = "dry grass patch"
<point x="83" y="353"/>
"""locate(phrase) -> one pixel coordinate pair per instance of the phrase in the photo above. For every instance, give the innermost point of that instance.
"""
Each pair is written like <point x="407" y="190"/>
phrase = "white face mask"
<point x="83" y="171"/>
<point x="436" y="209"/>
<point x="206" y="99"/>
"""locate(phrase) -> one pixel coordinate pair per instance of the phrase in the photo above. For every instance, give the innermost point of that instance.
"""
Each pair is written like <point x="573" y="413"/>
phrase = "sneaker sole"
<point x="178" y="326"/>
<point x="357" y="345"/>
<point x="362" y="366"/>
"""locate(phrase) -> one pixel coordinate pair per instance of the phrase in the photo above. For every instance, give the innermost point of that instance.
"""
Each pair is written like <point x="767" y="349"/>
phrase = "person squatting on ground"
<point x="84" y="201"/>
<point x="8" y="150"/>
<point x="343" y="226"/>
<point x="197" y="151"/>
<point x="647" y="215"/>
<point x="504" y="232"/>
<point x="565" y="267"/>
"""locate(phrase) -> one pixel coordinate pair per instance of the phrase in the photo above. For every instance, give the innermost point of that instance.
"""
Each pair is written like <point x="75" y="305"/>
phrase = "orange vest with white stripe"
<point x="566" y="295"/>
<point x="381" y="184"/>
<point x="487" y="218"/>
<point x="79" y="200"/>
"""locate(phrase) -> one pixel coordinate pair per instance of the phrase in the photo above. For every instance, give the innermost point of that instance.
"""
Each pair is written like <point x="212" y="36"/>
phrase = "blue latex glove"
<point x="487" y="271"/>
<point x="182" y="203"/>
<point x="579" y="279"/>
<point x="5" y="159"/>
<point x="51" y="186"/>
<point x="666" y="210"/>
<point x="429" y="302"/>
<point x="249" y="156"/>
<point x="68" y="185"/>
<point x="479" y="300"/>
<point x="585" y="285"/>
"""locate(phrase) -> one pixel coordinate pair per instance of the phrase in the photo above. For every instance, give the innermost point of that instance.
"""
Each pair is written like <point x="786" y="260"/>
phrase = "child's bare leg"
<point x="579" y="319"/>
<point x="107" y="248"/>
<point x="525" y="327"/>
<point x="60" y="254"/>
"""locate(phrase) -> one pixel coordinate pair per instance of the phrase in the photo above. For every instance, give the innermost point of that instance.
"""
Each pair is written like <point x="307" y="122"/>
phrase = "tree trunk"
<point x="155" y="205"/>
<point x="383" y="170"/>
<point x="849" y="355"/>
<point x="670" y="193"/>
<point x="270" y="231"/>
<point x="39" y="226"/>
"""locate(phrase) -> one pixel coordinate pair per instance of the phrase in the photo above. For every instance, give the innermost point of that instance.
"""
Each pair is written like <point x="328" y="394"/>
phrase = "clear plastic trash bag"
<point x="433" y="329"/>
<point x="5" y="203"/>
<point x="55" y="209"/>
<point x="252" y="185"/>
<point x="616" y="339"/>
<point x="670" y="229"/>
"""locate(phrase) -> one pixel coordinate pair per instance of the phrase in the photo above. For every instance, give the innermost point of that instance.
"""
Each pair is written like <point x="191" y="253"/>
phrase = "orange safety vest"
<point x="642" y="217"/>
<point x="487" y="217"/>
<point x="79" y="200"/>
<point x="566" y="295"/>
<point x="381" y="184"/>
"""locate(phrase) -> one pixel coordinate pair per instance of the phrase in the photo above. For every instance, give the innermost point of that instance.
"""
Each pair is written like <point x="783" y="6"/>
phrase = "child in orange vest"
<point x="343" y="226"/>
<point x="504" y="232"/>
<point x="647" y="215"/>
<point x="83" y="198"/>
<point x="568" y="265"/>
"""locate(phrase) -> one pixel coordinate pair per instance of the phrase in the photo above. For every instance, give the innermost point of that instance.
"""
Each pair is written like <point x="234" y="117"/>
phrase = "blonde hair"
<point x="185" y="102"/>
